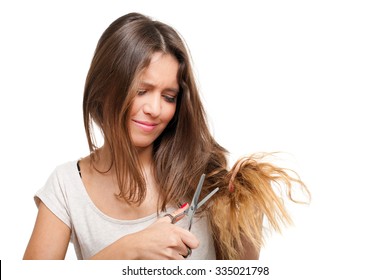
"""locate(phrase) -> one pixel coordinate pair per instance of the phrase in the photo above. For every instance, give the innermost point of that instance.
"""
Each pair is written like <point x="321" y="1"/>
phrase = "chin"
<point x="143" y="144"/>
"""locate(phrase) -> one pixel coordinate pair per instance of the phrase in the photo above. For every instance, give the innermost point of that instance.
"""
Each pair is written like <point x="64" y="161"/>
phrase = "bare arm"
<point x="161" y="240"/>
<point x="50" y="237"/>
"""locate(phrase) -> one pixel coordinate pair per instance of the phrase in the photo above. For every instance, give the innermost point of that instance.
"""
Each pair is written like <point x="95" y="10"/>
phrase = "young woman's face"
<point x="155" y="103"/>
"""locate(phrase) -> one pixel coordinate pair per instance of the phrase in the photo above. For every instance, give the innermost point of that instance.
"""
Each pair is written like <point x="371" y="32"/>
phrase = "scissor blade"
<point x="203" y="201"/>
<point x="195" y="199"/>
<point x="194" y="203"/>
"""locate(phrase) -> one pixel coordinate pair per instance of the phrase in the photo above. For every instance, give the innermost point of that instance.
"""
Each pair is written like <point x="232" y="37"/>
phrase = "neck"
<point x="103" y="162"/>
<point x="145" y="156"/>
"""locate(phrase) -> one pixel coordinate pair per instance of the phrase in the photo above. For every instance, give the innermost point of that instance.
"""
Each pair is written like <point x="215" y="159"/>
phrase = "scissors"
<point x="190" y="212"/>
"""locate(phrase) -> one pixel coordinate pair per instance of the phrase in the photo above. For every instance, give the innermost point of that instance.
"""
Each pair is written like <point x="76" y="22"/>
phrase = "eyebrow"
<point x="149" y="84"/>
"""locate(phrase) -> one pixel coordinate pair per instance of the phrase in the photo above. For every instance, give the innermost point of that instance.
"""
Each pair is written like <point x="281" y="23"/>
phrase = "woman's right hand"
<point x="162" y="240"/>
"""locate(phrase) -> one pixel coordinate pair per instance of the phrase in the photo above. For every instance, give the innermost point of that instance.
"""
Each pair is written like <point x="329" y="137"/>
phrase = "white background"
<point x="308" y="78"/>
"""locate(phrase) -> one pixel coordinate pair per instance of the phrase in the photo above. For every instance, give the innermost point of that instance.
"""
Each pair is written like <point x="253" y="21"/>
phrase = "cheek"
<point x="134" y="108"/>
<point x="169" y="113"/>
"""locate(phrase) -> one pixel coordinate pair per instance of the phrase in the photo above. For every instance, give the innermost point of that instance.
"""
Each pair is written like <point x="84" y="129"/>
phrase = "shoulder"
<point x="63" y="174"/>
<point x="59" y="190"/>
<point x="66" y="169"/>
<point x="62" y="177"/>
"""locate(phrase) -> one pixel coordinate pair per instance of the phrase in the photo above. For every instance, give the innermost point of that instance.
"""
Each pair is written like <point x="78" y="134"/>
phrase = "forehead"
<point x="161" y="71"/>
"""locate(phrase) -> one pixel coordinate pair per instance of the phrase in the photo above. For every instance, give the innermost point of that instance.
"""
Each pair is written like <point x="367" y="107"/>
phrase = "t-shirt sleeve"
<point x="53" y="195"/>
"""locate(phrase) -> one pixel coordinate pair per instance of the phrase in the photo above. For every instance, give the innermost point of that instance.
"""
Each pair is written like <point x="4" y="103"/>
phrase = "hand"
<point x="164" y="240"/>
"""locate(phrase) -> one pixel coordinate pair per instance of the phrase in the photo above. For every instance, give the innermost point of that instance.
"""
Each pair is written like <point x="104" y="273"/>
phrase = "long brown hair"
<point x="185" y="149"/>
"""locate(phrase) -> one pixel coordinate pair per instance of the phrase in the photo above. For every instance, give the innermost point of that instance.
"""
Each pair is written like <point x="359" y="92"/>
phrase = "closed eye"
<point x="141" y="92"/>
<point x="169" y="98"/>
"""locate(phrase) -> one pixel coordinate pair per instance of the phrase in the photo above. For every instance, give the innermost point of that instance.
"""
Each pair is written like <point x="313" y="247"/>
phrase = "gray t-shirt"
<point x="92" y="230"/>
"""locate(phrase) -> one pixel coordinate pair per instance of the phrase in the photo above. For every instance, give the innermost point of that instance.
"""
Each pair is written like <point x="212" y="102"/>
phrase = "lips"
<point x="145" y="125"/>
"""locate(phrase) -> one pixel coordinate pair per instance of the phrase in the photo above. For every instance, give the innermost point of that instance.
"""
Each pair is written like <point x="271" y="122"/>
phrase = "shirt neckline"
<point x="81" y="186"/>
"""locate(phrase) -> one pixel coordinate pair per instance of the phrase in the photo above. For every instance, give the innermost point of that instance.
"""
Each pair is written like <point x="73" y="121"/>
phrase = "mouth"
<point x="145" y="125"/>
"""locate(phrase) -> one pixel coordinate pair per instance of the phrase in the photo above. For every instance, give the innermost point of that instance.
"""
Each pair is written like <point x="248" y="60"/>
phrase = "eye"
<point x="141" y="92"/>
<point x="169" y="98"/>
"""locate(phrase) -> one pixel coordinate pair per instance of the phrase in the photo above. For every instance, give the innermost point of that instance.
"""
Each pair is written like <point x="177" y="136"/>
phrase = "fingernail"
<point x="184" y="205"/>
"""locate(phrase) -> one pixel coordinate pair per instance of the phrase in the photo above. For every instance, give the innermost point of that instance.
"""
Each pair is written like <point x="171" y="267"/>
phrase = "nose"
<point x="152" y="105"/>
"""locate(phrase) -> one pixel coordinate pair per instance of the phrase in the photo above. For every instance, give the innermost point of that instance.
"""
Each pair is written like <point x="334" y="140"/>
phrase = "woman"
<point x="141" y="93"/>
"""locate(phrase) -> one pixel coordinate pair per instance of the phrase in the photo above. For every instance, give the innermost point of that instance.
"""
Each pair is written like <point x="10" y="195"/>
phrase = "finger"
<point x="178" y="214"/>
<point x="189" y="240"/>
<point x="182" y="208"/>
<point x="187" y="252"/>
